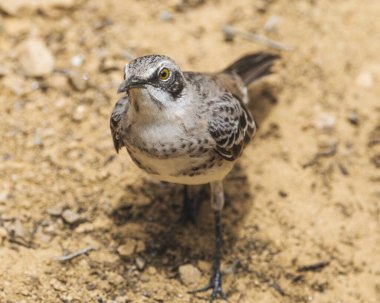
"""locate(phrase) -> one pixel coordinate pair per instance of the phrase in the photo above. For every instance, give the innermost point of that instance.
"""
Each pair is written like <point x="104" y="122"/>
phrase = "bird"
<point x="188" y="127"/>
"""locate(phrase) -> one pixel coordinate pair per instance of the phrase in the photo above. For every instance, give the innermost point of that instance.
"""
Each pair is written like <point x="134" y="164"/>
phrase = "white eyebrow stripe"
<point x="125" y="71"/>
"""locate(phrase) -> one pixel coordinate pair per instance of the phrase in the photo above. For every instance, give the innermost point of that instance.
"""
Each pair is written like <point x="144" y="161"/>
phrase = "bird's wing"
<point x="120" y="109"/>
<point x="231" y="125"/>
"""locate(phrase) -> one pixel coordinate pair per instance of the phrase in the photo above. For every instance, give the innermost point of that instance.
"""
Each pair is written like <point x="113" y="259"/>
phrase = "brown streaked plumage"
<point x="188" y="127"/>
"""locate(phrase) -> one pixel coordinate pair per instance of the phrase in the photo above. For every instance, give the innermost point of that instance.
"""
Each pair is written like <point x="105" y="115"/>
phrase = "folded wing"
<point x="120" y="109"/>
<point x="231" y="126"/>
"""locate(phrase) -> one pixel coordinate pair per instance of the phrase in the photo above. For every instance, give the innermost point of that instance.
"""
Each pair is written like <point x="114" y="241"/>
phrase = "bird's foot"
<point x="216" y="285"/>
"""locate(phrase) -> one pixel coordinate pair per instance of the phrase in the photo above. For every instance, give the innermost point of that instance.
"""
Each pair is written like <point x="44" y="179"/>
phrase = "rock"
<point x="77" y="60"/>
<point x="57" y="81"/>
<point x="109" y="65"/>
<point x="189" y="275"/>
<point x="140" y="246"/>
<point x="229" y="33"/>
<point x="353" y="118"/>
<point x="140" y="263"/>
<point x="325" y="121"/>
<point x="4" y="236"/>
<point x="78" y="81"/>
<point x="365" y="79"/>
<point x="261" y="6"/>
<point x="57" y="285"/>
<point x="166" y="16"/>
<point x="15" y="83"/>
<point x="272" y="23"/>
<point x="79" y="113"/>
<point x="152" y="271"/>
<point x="55" y="211"/>
<point x="326" y="142"/>
<point x="48" y="4"/>
<point x="114" y="278"/>
<point x="35" y="58"/>
<point x="128" y="249"/>
<point x="4" y="70"/>
<point x="18" y="229"/>
<point x="4" y="195"/>
<point x="16" y="6"/>
<point x="37" y="138"/>
<point x="70" y="216"/>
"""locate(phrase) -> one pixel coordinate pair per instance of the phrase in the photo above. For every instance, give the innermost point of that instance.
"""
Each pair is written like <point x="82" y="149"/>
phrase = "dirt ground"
<point x="301" y="222"/>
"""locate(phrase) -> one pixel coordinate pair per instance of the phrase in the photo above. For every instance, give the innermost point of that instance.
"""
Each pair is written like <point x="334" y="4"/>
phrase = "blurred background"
<point x="303" y="211"/>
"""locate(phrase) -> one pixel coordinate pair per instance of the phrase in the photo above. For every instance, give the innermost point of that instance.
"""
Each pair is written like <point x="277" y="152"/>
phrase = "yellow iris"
<point x="164" y="74"/>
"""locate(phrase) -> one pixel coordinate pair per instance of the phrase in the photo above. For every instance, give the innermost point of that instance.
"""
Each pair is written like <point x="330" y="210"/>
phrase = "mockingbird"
<point x="188" y="127"/>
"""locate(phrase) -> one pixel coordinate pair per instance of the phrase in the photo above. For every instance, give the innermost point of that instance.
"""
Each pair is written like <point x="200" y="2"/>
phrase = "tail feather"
<point x="252" y="67"/>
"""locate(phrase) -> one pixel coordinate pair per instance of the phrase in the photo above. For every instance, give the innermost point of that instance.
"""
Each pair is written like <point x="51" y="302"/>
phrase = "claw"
<point x="216" y="286"/>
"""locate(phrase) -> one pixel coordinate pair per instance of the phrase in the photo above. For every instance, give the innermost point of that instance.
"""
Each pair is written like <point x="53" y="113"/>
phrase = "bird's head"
<point x="152" y="81"/>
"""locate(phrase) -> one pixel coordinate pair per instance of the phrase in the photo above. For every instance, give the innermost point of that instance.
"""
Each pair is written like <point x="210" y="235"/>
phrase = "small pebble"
<point x="229" y="33"/>
<point x="353" y="118"/>
<point x="77" y="60"/>
<point x="4" y="71"/>
<point x="326" y="142"/>
<point x="128" y="249"/>
<point x="325" y="121"/>
<point x="14" y="7"/>
<point x="57" y="285"/>
<point x="79" y="113"/>
<point x="3" y="235"/>
<point x="140" y="263"/>
<point x="272" y="23"/>
<point x="37" y="138"/>
<point x="365" y="79"/>
<point x="4" y="195"/>
<point x="166" y="16"/>
<point x="109" y="64"/>
<point x="78" y="81"/>
<point x="58" y="3"/>
<point x="189" y="275"/>
<point x="55" y="211"/>
<point x="152" y="271"/>
<point x="58" y="81"/>
<point x="261" y="6"/>
<point x="18" y="229"/>
<point x="35" y="58"/>
<point x="70" y="216"/>
<point x="15" y="83"/>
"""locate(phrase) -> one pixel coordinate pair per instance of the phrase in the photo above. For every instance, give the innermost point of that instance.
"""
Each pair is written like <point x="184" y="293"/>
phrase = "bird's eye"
<point x="164" y="74"/>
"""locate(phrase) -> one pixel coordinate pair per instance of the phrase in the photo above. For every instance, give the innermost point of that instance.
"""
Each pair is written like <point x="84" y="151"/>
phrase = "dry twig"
<point x="76" y="254"/>
<point x="314" y="267"/>
<point x="326" y="153"/>
<point x="231" y="32"/>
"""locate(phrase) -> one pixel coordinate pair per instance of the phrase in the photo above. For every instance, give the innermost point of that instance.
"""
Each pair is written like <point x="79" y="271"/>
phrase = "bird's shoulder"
<point x="208" y="85"/>
<point x="119" y="111"/>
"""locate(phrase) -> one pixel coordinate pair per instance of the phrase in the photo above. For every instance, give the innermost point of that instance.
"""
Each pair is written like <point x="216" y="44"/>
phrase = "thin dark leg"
<point x="216" y="278"/>
<point x="188" y="212"/>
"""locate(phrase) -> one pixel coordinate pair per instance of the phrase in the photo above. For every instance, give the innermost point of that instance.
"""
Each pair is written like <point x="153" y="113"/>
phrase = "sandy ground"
<point x="302" y="219"/>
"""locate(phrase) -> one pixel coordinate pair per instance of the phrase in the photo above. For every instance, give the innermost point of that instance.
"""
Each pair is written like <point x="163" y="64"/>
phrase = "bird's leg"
<point x="217" y="201"/>
<point x="190" y="205"/>
<point x="187" y="214"/>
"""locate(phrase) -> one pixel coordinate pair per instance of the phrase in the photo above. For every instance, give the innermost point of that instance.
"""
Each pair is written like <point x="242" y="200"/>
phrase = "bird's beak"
<point x="129" y="83"/>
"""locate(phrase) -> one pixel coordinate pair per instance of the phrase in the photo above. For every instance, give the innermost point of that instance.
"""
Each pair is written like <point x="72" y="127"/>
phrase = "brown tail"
<point x="252" y="67"/>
